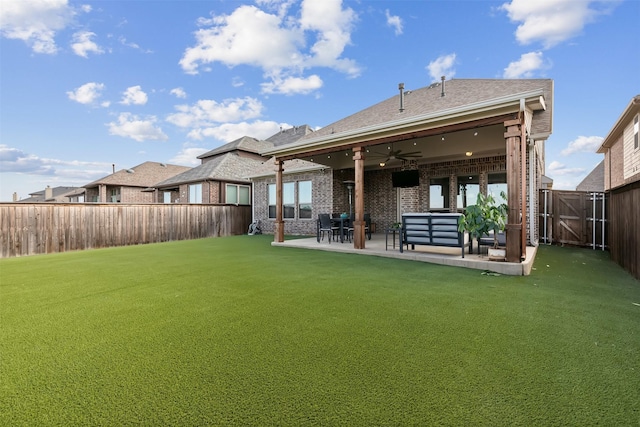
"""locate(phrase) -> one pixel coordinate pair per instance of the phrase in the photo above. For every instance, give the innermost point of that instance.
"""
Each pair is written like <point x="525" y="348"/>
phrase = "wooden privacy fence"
<point x="39" y="228"/>
<point x="624" y="240"/>
<point x="575" y="218"/>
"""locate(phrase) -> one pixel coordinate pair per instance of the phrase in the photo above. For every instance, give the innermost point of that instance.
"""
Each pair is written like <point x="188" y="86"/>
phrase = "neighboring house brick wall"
<point x="135" y="195"/>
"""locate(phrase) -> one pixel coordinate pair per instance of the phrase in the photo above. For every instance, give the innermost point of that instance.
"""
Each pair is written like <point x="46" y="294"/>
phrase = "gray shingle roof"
<point x="58" y="194"/>
<point x="246" y="143"/>
<point x="427" y="100"/>
<point x="594" y="181"/>
<point x="288" y="136"/>
<point x="225" y="167"/>
<point x="144" y="175"/>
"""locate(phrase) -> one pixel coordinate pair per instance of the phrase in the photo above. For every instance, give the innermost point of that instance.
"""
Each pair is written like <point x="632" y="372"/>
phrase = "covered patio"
<point x="473" y="127"/>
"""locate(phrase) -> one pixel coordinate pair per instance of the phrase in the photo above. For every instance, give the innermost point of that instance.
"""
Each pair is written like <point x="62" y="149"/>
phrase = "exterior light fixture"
<point x="469" y="153"/>
<point x="382" y="164"/>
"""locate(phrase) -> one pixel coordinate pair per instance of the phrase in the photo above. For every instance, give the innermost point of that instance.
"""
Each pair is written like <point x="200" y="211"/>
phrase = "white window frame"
<point x="195" y="193"/>
<point x="636" y="132"/>
<point x="238" y="200"/>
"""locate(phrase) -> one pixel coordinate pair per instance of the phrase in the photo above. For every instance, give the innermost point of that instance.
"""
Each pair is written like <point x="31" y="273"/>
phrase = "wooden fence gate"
<point x="575" y="218"/>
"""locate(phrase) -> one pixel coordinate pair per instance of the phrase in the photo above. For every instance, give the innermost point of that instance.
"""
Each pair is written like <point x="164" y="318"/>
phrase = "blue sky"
<point x="85" y="85"/>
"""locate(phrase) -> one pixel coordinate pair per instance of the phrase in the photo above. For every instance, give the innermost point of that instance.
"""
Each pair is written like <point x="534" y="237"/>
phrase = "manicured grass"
<point x="232" y="331"/>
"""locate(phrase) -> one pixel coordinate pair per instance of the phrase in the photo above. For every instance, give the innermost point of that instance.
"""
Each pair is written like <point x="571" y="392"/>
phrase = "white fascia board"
<point x="420" y="120"/>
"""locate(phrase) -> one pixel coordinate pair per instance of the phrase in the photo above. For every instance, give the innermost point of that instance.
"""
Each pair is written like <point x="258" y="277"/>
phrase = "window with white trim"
<point x="636" y="130"/>
<point x="195" y="193"/>
<point x="238" y="194"/>
<point x="166" y="197"/>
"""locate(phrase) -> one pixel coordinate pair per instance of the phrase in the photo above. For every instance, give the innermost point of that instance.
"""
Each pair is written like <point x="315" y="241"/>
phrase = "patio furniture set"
<point x="339" y="226"/>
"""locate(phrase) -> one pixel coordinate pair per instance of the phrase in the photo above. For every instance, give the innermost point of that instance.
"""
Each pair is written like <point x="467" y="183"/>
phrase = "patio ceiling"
<point x="480" y="141"/>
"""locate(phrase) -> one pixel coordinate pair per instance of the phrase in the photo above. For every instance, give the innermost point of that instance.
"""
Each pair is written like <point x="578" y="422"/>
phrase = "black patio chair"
<point x="325" y="226"/>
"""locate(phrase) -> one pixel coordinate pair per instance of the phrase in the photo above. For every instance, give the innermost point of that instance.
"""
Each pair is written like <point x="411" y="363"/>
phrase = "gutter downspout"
<point x="533" y="162"/>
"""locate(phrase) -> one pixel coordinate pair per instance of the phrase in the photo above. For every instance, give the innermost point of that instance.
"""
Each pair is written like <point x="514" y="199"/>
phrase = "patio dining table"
<point x="343" y="224"/>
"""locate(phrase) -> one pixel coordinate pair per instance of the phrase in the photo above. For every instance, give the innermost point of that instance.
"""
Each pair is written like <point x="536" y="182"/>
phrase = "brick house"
<point x="50" y="194"/>
<point x="130" y="185"/>
<point x="463" y="136"/>
<point x="222" y="175"/>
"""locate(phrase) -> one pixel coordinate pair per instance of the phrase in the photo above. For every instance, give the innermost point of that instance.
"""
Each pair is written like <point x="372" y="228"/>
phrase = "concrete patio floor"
<point x="432" y="254"/>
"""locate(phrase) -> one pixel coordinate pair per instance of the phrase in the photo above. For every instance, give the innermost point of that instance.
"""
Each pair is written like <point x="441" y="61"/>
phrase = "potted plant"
<point x="485" y="216"/>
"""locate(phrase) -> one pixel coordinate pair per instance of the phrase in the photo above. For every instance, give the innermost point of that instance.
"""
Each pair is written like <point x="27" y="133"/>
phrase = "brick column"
<point x="514" y="226"/>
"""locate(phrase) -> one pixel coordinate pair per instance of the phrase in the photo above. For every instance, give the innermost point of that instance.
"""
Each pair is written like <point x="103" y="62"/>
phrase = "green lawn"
<point x="231" y="331"/>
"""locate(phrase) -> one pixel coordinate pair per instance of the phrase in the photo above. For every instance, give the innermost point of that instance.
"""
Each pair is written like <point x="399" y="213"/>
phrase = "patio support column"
<point x="278" y="231"/>
<point x="358" y="225"/>
<point x="513" y="229"/>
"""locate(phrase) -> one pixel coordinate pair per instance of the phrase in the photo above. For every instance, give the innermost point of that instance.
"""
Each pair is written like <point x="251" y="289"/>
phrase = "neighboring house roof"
<point x="288" y="136"/>
<point x="246" y="143"/>
<point x="144" y="175"/>
<point x="616" y="131"/>
<point x="57" y="194"/>
<point x="225" y="167"/>
<point x="594" y="181"/>
<point x="546" y="182"/>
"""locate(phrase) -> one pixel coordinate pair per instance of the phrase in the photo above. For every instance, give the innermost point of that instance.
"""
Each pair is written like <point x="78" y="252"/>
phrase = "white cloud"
<point x="178" y="92"/>
<point x="208" y="112"/>
<point x="14" y="160"/>
<point x="134" y="95"/>
<point x="292" y="85"/>
<point x="130" y="126"/>
<point x="228" y="132"/>
<point x="557" y="168"/>
<point x="35" y="22"/>
<point x="525" y="66"/>
<point x="247" y="36"/>
<point x="552" y="21"/>
<point x="88" y="93"/>
<point x="442" y="66"/>
<point x="188" y="156"/>
<point x="82" y="44"/>
<point x="583" y="144"/>
<point x="276" y="42"/>
<point x="394" y="22"/>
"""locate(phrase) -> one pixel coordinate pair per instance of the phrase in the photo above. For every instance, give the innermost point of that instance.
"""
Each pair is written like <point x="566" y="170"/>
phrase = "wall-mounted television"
<point x="404" y="179"/>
